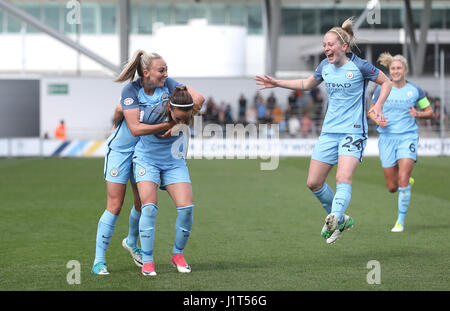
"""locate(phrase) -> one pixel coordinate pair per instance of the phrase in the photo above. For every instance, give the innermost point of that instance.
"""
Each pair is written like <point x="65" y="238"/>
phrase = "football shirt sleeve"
<point x="129" y="98"/>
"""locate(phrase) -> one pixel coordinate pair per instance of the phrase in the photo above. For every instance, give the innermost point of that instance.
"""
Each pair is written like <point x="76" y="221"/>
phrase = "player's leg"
<point x="148" y="195"/>
<point x="405" y="167"/>
<point x="177" y="183"/>
<point x="181" y="194"/>
<point x="316" y="182"/>
<point x="344" y="176"/>
<point x="130" y="242"/>
<point x="391" y="178"/>
<point x="107" y="223"/>
<point x="350" y="151"/>
<point x="322" y="161"/>
<point x="337" y="221"/>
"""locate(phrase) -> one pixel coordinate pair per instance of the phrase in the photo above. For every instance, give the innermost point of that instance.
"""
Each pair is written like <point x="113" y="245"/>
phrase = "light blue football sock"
<point x="133" y="227"/>
<point x="325" y="196"/>
<point x="404" y="197"/>
<point x="341" y="200"/>
<point x="147" y="230"/>
<point x="183" y="226"/>
<point x="105" y="230"/>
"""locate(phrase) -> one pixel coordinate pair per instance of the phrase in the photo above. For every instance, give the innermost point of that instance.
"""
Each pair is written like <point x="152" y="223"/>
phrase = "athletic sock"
<point x="105" y="230"/>
<point x="341" y="200"/>
<point x="147" y="230"/>
<point x="183" y="226"/>
<point x="404" y="197"/>
<point x="133" y="229"/>
<point x="325" y="196"/>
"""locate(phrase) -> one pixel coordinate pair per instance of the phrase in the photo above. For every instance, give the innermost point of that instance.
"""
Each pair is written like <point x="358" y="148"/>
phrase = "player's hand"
<point x="382" y="123"/>
<point x="168" y="133"/>
<point x="267" y="81"/>
<point x="412" y="111"/>
<point x="377" y="110"/>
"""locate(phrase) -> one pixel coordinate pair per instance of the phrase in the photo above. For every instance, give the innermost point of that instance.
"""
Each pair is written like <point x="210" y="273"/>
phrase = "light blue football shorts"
<point x="163" y="175"/>
<point x="118" y="167"/>
<point x="332" y="145"/>
<point x="393" y="147"/>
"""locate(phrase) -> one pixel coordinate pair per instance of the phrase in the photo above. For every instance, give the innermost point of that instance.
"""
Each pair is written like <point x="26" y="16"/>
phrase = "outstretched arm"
<point x="299" y="85"/>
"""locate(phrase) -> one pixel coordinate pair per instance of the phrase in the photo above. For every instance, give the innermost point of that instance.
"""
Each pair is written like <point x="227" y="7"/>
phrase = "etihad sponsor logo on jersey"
<point x="333" y="85"/>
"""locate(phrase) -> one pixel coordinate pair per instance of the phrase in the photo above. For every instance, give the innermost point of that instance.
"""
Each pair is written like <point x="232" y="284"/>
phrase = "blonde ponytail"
<point x="386" y="59"/>
<point x="138" y="62"/>
<point x="345" y="33"/>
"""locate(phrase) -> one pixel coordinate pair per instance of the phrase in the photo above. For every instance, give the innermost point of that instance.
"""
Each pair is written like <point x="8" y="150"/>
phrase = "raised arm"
<point x="197" y="98"/>
<point x="298" y="85"/>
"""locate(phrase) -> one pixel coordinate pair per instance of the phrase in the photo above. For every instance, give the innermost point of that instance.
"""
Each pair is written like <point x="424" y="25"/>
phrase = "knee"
<point x="392" y="188"/>
<point x="149" y="209"/>
<point x="314" y="185"/>
<point x="114" y="204"/>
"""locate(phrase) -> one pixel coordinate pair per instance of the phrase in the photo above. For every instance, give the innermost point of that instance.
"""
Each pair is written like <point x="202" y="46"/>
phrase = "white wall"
<point x="87" y="109"/>
<point x="89" y="106"/>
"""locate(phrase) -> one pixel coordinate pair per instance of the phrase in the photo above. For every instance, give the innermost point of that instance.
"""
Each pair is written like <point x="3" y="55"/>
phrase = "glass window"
<point x="309" y="18"/>
<point x="1" y="21"/>
<point x="52" y="15"/>
<point x="447" y="18"/>
<point x="396" y="18"/>
<point x="181" y="14"/>
<point x="237" y="14"/>
<point x="385" y="17"/>
<point x="198" y="10"/>
<point x="69" y="13"/>
<point x="35" y="11"/>
<point x="417" y="13"/>
<point x="254" y="16"/>
<point x="342" y="15"/>
<point x="89" y="19"/>
<point x="163" y="13"/>
<point x="108" y="18"/>
<point x="290" y="21"/>
<point x="217" y="14"/>
<point x="14" y="24"/>
<point x="144" y="18"/>
<point x="327" y="20"/>
<point x="437" y="18"/>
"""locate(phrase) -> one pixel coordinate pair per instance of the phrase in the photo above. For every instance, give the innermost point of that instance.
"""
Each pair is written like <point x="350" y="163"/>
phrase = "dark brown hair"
<point x="181" y="96"/>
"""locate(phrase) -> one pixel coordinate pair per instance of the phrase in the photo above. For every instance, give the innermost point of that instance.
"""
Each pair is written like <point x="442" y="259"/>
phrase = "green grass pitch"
<point x="253" y="230"/>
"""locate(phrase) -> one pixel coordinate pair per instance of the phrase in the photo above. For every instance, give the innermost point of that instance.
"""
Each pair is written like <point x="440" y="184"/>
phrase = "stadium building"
<point x="214" y="46"/>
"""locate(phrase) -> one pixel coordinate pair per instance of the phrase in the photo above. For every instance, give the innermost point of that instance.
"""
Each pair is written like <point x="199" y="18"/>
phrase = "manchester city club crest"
<point x="114" y="172"/>
<point x="141" y="172"/>
<point x="349" y="75"/>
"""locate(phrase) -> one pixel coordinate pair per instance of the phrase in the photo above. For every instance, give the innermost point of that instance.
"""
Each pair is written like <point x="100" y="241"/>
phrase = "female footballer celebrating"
<point x="152" y="72"/>
<point x="344" y="131"/>
<point x="399" y="136"/>
<point x="161" y="160"/>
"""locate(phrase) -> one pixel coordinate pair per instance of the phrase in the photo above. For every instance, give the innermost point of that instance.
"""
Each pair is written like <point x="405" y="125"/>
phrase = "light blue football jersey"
<point x="396" y="108"/>
<point x="346" y="89"/>
<point x="153" y="148"/>
<point x="121" y="139"/>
